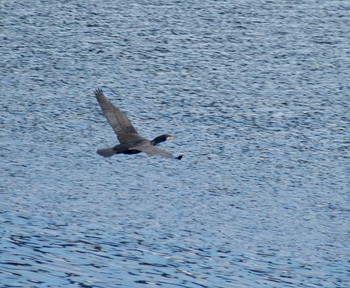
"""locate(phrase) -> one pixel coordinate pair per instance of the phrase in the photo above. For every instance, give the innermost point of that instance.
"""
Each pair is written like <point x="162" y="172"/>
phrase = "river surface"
<point x="257" y="96"/>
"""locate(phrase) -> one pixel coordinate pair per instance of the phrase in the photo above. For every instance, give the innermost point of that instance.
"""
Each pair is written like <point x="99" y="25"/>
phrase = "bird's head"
<point x="162" y="138"/>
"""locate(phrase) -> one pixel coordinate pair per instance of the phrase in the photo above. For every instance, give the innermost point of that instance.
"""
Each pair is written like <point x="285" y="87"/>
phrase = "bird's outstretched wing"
<point x="116" y="118"/>
<point x="152" y="150"/>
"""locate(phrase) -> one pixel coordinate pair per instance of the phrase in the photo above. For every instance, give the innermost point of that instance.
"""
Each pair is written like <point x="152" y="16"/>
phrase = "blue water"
<point x="257" y="96"/>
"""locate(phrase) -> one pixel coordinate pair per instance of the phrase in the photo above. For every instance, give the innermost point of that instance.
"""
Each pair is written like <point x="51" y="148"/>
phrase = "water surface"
<point x="256" y="94"/>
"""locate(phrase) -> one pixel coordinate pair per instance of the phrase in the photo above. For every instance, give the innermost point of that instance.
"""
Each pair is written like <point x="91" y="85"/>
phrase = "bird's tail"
<point x="108" y="152"/>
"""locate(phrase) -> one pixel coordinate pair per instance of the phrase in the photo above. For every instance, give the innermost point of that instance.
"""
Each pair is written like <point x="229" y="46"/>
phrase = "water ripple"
<point x="257" y="97"/>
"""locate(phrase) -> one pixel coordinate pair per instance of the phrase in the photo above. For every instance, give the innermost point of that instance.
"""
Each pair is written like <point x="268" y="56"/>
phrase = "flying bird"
<point x="130" y="140"/>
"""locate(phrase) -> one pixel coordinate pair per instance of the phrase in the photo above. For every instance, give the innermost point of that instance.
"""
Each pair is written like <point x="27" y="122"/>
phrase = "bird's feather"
<point x="117" y="119"/>
<point x="152" y="150"/>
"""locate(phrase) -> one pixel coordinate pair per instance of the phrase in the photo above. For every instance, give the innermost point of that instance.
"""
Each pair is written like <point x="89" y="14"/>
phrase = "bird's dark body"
<point x="125" y="148"/>
<point x="130" y="141"/>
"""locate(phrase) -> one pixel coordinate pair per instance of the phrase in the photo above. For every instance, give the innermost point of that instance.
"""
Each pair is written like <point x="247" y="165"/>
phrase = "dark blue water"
<point x="257" y="96"/>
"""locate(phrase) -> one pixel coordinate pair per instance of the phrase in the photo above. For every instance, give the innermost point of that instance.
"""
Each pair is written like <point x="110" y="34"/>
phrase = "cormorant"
<point x="130" y="140"/>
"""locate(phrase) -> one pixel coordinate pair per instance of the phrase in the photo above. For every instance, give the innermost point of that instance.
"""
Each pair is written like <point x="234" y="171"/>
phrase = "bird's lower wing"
<point x="152" y="150"/>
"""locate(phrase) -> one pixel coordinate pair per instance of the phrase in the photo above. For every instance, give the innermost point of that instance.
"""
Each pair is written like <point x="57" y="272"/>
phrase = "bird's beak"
<point x="169" y="138"/>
